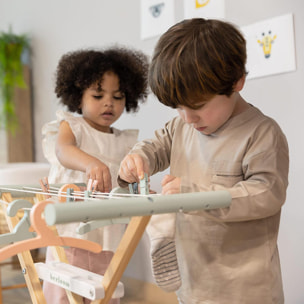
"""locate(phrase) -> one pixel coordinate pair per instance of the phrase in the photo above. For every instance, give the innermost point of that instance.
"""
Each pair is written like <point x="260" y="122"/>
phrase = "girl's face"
<point x="102" y="105"/>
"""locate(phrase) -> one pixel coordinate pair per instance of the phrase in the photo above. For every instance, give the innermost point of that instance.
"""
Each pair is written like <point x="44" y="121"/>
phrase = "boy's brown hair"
<point x="195" y="60"/>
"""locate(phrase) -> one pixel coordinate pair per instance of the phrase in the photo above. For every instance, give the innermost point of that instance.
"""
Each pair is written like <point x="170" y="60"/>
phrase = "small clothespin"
<point x="133" y="188"/>
<point x="143" y="186"/>
<point x="44" y="183"/>
<point x="91" y="188"/>
<point x="92" y="185"/>
<point x="66" y="193"/>
<point x="70" y="195"/>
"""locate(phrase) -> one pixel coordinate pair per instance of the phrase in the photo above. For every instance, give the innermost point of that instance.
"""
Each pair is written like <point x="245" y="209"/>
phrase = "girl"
<point x="98" y="85"/>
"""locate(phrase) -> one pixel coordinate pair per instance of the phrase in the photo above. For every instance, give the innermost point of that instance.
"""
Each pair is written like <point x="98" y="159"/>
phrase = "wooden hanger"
<point x="21" y="231"/>
<point x="45" y="237"/>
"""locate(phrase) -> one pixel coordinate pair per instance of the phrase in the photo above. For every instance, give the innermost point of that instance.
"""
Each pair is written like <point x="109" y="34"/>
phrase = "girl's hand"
<point x="171" y="184"/>
<point x="132" y="168"/>
<point x="97" y="170"/>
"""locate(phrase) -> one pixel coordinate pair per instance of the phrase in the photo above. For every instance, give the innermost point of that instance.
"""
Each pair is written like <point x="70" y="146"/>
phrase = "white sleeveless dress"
<point x="110" y="148"/>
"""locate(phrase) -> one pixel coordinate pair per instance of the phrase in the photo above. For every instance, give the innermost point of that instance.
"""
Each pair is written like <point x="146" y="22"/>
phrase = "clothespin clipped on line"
<point x="92" y="185"/>
<point x="69" y="193"/>
<point x="91" y="188"/>
<point x="143" y="186"/>
<point x="133" y="188"/>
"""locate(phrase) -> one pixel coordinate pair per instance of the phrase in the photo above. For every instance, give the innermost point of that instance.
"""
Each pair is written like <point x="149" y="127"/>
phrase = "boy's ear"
<point x="240" y="84"/>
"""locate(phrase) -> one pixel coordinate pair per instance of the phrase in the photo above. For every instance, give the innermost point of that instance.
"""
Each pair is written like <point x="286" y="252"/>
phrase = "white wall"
<point x="59" y="26"/>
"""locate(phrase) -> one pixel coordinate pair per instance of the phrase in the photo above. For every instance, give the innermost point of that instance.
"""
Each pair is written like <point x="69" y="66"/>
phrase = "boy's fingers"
<point x="140" y="173"/>
<point x="133" y="168"/>
<point x="136" y="167"/>
<point x="141" y="167"/>
<point x="127" y="170"/>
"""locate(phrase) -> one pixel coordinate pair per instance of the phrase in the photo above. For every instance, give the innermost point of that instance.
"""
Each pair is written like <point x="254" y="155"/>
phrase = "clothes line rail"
<point x="136" y="206"/>
<point x="32" y="190"/>
<point x="19" y="190"/>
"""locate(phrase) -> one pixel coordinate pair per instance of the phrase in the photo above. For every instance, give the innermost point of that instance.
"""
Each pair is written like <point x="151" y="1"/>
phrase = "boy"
<point x="218" y="142"/>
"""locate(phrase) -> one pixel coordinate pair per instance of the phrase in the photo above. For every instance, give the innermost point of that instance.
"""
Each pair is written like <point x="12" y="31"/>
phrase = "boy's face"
<point x="212" y="114"/>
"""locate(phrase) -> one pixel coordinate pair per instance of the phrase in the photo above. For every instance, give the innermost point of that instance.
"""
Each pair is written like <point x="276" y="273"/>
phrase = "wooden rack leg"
<point x="122" y="256"/>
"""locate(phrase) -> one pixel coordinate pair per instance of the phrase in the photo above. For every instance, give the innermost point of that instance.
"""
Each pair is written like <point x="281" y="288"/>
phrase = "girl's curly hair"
<point x="78" y="70"/>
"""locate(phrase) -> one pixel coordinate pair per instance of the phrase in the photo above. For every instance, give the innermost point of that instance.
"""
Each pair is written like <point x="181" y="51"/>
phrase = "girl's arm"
<point x="71" y="157"/>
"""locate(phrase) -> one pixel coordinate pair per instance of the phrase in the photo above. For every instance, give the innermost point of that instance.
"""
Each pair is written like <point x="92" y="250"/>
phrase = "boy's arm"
<point x="71" y="157"/>
<point x="148" y="156"/>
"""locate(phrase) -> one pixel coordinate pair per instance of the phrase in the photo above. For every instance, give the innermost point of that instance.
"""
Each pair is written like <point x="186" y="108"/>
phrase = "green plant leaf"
<point x="11" y="74"/>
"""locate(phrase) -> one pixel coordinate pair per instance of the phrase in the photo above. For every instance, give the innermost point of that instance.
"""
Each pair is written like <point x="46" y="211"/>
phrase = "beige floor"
<point x="136" y="292"/>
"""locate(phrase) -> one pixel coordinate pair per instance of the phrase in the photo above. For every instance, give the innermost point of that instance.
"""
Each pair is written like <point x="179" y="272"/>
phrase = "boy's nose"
<point x="190" y="116"/>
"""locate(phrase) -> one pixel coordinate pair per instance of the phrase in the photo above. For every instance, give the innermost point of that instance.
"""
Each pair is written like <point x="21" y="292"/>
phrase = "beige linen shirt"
<point x="233" y="259"/>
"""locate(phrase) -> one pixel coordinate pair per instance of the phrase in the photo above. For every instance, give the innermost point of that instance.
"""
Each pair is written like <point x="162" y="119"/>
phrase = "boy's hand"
<point x="132" y="168"/>
<point x="97" y="170"/>
<point x="171" y="184"/>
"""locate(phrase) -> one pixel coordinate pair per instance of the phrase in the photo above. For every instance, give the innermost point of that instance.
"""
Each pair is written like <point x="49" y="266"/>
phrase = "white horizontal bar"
<point x="82" y="282"/>
<point x="138" y="206"/>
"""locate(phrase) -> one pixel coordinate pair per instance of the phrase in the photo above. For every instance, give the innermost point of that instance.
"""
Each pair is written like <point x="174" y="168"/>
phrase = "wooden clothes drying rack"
<point x="119" y="262"/>
<point x="139" y="209"/>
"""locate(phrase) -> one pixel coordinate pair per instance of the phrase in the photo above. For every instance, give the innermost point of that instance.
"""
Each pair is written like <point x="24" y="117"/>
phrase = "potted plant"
<point x="12" y="47"/>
